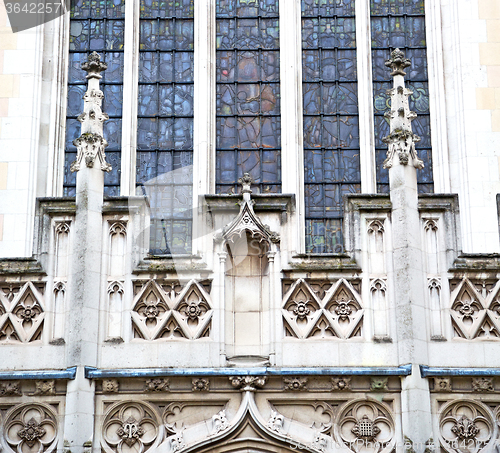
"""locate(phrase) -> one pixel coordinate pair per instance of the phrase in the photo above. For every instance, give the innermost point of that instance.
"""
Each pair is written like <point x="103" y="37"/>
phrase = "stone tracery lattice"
<point x="338" y="313"/>
<point x="158" y="313"/>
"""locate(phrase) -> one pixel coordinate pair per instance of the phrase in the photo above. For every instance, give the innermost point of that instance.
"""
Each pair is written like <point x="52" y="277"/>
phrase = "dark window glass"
<point x="401" y="23"/>
<point x="248" y="95"/>
<point x="331" y="132"/>
<point x="165" y="121"/>
<point x="96" y="25"/>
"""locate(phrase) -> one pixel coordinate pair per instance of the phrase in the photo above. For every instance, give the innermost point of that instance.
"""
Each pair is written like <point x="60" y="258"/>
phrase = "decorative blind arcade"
<point x="401" y="23"/>
<point x="96" y="25"/>
<point x="248" y="94"/>
<point x="331" y="126"/>
<point x="165" y="121"/>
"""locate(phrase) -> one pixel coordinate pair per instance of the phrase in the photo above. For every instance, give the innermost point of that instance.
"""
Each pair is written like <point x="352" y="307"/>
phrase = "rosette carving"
<point x="466" y="427"/>
<point x="31" y="427"/>
<point x="366" y="425"/>
<point x="131" y="427"/>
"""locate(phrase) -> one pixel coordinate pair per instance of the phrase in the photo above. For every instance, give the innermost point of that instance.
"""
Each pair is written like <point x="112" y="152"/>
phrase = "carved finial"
<point x="398" y="62"/>
<point x="401" y="141"/>
<point x="94" y="66"/>
<point x="246" y="181"/>
<point x="91" y="143"/>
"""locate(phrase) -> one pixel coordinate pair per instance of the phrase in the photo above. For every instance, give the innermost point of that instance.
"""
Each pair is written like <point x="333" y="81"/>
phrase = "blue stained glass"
<point x="165" y="121"/>
<point x="331" y="130"/>
<point x="400" y="23"/>
<point x="248" y="94"/>
<point x="96" y="25"/>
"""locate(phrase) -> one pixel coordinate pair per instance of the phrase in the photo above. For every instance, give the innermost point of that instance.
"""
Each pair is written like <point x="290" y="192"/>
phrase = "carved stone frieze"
<point x="248" y="382"/>
<point x="379" y="383"/>
<point x="341" y="384"/>
<point x="159" y="311"/>
<point x="200" y="385"/>
<point x="110" y="386"/>
<point x="338" y="314"/>
<point x="46" y="387"/>
<point x="11" y="388"/>
<point x="442" y="384"/>
<point x="157" y="385"/>
<point x="295" y="383"/>
<point x="482" y="384"/>
<point x="31" y="427"/>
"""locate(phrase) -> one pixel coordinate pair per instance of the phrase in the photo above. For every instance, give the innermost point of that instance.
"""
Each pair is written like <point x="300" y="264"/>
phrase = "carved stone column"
<point x="408" y="277"/>
<point x="85" y="274"/>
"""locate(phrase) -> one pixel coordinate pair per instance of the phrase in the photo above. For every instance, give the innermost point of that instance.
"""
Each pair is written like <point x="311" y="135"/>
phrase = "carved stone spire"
<point x="401" y="140"/>
<point x="91" y="143"/>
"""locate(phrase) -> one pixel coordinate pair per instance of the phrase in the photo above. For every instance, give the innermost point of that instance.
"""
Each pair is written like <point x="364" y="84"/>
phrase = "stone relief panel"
<point x="131" y="427"/>
<point x="475" y="310"/>
<point x="366" y="425"/>
<point x="327" y="414"/>
<point x="335" y="312"/>
<point x="22" y="313"/>
<point x="31" y="428"/>
<point x="170" y="311"/>
<point x="466" y="427"/>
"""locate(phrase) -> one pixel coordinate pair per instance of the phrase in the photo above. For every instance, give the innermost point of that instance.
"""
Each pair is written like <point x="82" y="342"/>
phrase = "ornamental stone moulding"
<point x="157" y="385"/>
<point x="219" y="422"/>
<point x="247" y="222"/>
<point x="442" y="384"/>
<point x="200" y="385"/>
<point x="110" y="386"/>
<point x="295" y="383"/>
<point x="482" y="384"/>
<point x="11" y="389"/>
<point x="46" y="387"/>
<point x="341" y="384"/>
<point x="248" y="382"/>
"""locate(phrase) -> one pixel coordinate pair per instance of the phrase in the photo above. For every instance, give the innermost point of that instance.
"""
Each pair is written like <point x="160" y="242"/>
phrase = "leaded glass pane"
<point x="165" y="121"/>
<point x="248" y="94"/>
<point x="401" y="23"/>
<point x="96" y="25"/>
<point x="331" y="130"/>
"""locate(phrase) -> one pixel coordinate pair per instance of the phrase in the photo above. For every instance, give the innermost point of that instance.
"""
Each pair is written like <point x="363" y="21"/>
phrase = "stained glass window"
<point x="96" y="25"/>
<point x="248" y="94"/>
<point x="331" y="131"/>
<point x="401" y="23"/>
<point x="165" y="121"/>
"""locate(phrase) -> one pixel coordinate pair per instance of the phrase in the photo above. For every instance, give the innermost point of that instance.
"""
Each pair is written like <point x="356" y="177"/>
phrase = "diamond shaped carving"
<point x="338" y="314"/>
<point x="158" y="314"/>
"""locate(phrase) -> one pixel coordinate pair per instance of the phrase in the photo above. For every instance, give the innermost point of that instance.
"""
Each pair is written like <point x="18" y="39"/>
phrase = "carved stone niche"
<point x="247" y="248"/>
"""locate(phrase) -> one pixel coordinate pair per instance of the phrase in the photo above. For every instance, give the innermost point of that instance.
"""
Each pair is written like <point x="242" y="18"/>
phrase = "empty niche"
<point x="247" y="292"/>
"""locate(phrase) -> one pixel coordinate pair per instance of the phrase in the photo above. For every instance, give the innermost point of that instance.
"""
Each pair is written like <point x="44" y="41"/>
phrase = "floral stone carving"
<point x="481" y="384"/>
<point x="158" y="313"/>
<point x="366" y="425"/>
<point x="341" y="384"/>
<point x="295" y="383"/>
<point x="466" y="426"/>
<point x="337" y="314"/>
<point x="201" y="385"/>
<point x="219" y="422"/>
<point x="31" y="427"/>
<point x="131" y="424"/>
<point x="248" y="382"/>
